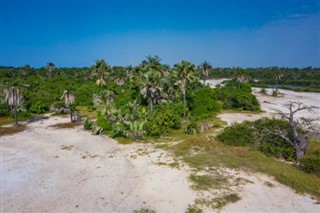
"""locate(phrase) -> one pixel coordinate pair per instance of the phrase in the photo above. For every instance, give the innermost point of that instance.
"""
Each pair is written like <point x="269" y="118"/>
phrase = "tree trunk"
<point x="184" y="104"/>
<point x="15" y="116"/>
<point x="151" y="105"/>
<point x="299" y="154"/>
<point x="70" y="109"/>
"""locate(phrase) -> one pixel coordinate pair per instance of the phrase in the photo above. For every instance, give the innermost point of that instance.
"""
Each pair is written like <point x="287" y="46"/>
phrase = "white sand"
<point x="269" y="104"/>
<point x="95" y="175"/>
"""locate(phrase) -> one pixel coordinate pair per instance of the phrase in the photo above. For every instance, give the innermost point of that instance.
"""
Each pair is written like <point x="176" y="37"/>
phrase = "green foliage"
<point x="311" y="163"/>
<point x="255" y="134"/>
<point x="39" y="107"/>
<point x="193" y="209"/>
<point x="192" y="128"/>
<point x="87" y="124"/>
<point x="164" y="118"/>
<point x="202" y="103"/>
<point x="237" y="135"/>
<point x="237" y="97"/>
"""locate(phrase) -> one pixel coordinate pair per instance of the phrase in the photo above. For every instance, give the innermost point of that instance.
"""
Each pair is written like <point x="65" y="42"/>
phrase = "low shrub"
<point x="311" y="163"/>
<point x="88" y="124"/>
<point x="39" y="107"/>
<point x="255" y="134"/>
<point x="237" y="135"/>
<point x="192" y="128"/>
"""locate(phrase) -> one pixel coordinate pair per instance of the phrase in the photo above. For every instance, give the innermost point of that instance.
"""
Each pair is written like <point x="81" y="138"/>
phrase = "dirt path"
<point x="68" y="170"/>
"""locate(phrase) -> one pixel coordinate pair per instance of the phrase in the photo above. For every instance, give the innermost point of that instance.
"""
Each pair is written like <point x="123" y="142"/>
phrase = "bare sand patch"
<point x="270" y="104"/>
<point x="45" y="169"/>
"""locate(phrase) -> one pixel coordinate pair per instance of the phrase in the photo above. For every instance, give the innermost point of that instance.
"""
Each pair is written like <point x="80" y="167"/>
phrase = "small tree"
<point x="68" y="100"/>
<point x="13" y="99"/>
<point x="300" y="129"/>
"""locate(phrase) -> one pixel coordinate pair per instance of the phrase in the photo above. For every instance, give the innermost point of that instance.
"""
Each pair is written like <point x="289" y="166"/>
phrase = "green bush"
<point x="311" y="163"/>
<point x="39" y="107"/>
<point x="202" y="103"/>
<point x="164" y="118"/>
<point x="237" y="135"/>
<point x="235" y="97"/>
<point x="88" y="124"/>
<point x="255" y="134"/>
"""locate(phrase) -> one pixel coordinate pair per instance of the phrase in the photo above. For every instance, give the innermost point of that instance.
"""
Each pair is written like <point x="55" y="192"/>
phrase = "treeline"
<point x="304" y="79"/>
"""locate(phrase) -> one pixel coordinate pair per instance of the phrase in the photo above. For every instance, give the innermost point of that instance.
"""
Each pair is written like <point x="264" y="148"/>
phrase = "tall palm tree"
<point x="13" y="99"/>
<point x="205" y="69"/>
<point x="151" y="87"/>
<point x="50" y="68"/>
<point x="186" y="73"/>
<point x="100" y="71"/>
<point x="68" y="100"/>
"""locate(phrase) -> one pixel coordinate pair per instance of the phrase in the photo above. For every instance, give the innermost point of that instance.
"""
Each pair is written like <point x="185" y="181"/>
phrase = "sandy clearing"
<point x="49" y="170"/>
<point x="270" y="104"/>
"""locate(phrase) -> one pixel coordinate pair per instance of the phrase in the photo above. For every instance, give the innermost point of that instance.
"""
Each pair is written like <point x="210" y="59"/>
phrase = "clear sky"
<point x="245" y="33"/>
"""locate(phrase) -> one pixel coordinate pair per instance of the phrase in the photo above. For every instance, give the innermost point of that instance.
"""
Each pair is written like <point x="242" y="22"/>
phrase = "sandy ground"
<point x="44" y="169"/>
<point x="68" y="170"/>
<point x="269" y="104"/>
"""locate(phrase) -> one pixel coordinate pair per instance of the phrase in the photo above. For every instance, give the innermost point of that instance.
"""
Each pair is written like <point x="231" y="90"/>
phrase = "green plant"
<point x="193" y="209"/>
<point x="88" y="124"/>
<point x="39" y="107"/>
<point x="192" y="128"/>
<point x="164" y="118"/>
<point x="237" y="135"/>
<point x="311" y="163"/>
<point x="203" y="104"/>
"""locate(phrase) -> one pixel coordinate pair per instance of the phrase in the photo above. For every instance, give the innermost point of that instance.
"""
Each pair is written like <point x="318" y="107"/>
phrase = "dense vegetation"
<point x="149" y="99"/>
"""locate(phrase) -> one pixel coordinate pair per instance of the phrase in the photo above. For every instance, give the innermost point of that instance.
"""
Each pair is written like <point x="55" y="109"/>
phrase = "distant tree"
<point x="13" y="99"/>
<point x="50" y="68"/>
<point x="277" y="76"/>
<point x="205" y="69"/>
<point x="68" y="100"/>
<point x="100" y="71"/>
<point x="186" y="73"/>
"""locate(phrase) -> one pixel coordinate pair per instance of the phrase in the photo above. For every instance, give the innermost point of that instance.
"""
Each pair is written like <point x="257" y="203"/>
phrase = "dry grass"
<point x="11" y="130"/>
<point x="66" y="125"/>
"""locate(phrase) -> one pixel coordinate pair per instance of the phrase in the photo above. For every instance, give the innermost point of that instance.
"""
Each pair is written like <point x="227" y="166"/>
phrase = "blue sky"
<point x="228" y="33"/>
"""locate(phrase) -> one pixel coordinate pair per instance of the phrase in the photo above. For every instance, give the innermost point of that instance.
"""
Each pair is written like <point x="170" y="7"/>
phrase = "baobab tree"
<point x="68" y="100"/>
<point x="13" y="99"/>
<point x="300" y="129"/>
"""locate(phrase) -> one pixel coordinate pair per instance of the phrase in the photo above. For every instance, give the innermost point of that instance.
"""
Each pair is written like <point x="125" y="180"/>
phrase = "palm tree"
<point x="68" y="100"/>
<point x="108" y="96"/>
<point x="278" y="76"/>
<point x="205" y="69"/>
<point x="101" y="71"/>
<point x="13" y="99"/>
<point x="186" y="73"/>
<point x="150" y="87"/>
<point x="50" y="68"/>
